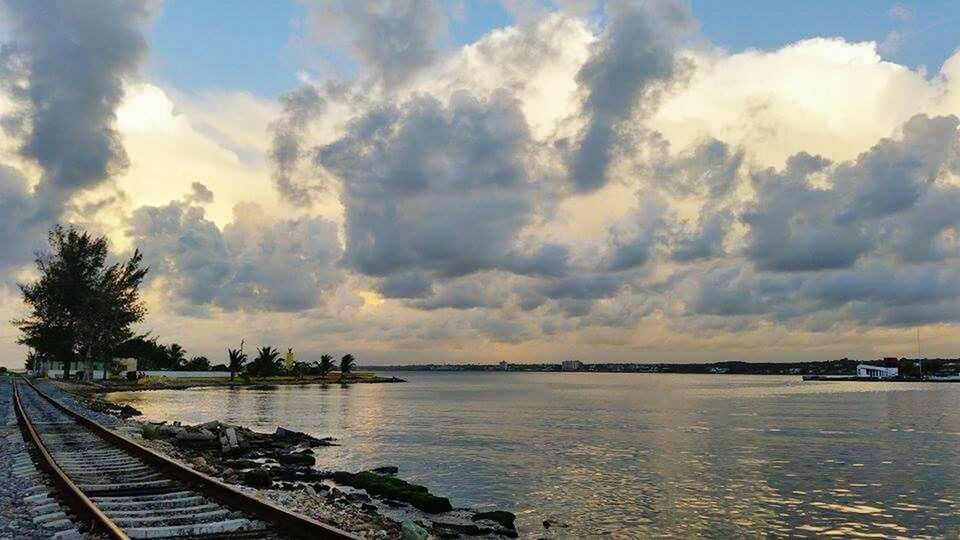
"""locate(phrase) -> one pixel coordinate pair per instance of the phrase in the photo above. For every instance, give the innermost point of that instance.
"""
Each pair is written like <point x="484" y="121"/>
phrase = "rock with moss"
<point x="396" y="489"/>
<point x="150" y="432"/>
<point x="258" y="478"/>
<point x="501" y="517"/>
<point x="411" y="531"/>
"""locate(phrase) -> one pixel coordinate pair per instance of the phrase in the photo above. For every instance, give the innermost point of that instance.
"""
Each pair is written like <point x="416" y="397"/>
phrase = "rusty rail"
<point x="78" y="501"/>
<point x="288" y="522"/>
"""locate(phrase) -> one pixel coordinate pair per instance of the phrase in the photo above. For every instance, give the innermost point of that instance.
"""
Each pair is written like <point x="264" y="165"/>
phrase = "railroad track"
<point x="119" y="489"/>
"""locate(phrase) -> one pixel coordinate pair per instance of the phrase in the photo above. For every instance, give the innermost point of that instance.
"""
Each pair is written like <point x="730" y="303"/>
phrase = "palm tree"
<point x="347" y="363"/>
<point x="237" y="359"/>
<point x="176" y="356"/>
<point x="266" y="363"/>
<point x="325" y="366"/>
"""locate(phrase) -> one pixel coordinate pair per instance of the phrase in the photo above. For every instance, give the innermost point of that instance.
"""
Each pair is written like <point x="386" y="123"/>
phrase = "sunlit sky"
<point x="476" y="181"/>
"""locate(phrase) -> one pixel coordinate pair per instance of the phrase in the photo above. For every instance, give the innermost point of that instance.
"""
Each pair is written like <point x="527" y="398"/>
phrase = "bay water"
<point x="634" y="455"/>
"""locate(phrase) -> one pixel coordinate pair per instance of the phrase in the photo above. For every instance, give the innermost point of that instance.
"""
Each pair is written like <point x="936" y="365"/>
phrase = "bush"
<point x="150" y="432"/>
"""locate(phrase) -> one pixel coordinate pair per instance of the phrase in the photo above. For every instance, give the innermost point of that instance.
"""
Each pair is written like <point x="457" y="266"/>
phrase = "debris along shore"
<point x="283" y="467"/>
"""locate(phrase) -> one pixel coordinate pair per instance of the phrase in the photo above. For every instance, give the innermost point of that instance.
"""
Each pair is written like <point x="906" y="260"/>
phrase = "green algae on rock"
<point x="396" y="489"/>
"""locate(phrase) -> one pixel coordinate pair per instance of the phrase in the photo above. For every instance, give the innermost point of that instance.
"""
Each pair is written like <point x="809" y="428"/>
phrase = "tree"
<point x="149" y="353"/>
<point x="347" y="363"/>
<point x="289" y="360"/>
<point x="81" y="308"/>
<point x="266" y="363"/>
<point x="176" y="356"/>
<point x="197" y="363"/>
<point x="32" y="362"/>
<point x="325" y="366"/>
<point x="298" y="369"/>
<point x="237" y="359"/>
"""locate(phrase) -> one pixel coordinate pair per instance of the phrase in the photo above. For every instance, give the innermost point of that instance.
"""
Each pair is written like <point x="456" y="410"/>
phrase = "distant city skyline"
<point x="415" y="181"/>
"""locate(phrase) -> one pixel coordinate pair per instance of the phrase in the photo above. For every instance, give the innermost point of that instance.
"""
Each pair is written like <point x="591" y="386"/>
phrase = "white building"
<point x="867" y="371"/>
<point x="571" y="365"/>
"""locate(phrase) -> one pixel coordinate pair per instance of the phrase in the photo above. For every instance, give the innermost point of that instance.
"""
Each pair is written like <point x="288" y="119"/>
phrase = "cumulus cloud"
<point x="439" y="189"/>
<point x="255" y="262"/>
<point x="62" y="72"/>
<point x="75" y="59"/>
<point x="814" y="216"/>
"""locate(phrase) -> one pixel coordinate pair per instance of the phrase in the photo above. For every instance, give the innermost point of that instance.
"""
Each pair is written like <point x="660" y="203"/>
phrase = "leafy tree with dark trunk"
<point x="347" y="363"/>
<point x="266" y="364"/>
<point x="81" y="308"/>
<point x="325" y="366"/>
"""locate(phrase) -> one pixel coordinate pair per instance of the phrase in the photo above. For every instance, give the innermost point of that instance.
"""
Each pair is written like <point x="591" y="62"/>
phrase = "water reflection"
<point x="635" y="454"/>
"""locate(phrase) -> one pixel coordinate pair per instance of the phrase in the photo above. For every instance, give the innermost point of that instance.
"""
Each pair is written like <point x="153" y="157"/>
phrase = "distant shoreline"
<point x="845" y="367"/>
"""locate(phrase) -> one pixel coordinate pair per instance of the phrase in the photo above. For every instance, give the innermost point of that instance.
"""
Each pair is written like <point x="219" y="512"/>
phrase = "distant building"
<point x="571" y="365"/>
<point x="887" y="369"/>
<point x="504" y="366"/>
<point x="120" y="368"/>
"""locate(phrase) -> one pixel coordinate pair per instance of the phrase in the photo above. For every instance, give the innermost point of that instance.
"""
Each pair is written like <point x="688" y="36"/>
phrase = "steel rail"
<point x="78" y="501"/>
<point x="291" y="523"/>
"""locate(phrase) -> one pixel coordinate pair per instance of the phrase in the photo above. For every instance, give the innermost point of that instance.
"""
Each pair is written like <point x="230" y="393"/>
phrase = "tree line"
<point x="268" y="363"/>
<point x="83" y="309"/>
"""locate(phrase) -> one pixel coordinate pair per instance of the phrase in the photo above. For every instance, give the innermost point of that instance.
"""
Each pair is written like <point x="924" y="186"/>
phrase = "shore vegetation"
<point x="347" y="363"/>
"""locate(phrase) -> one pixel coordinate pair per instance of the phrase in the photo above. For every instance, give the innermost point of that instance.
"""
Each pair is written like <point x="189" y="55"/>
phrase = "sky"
<point x="483" y="180"/>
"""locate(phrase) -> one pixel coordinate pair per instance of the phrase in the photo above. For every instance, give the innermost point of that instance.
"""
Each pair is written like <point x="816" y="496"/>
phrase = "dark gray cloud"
<point x="634" y="239"/>
<point x="705" y="241"/>
<point x="301" y="106"/>
<point x="405" y="285"/>
<point x="393" y="39"/>
<point x="468" y="292"/>
<point x="441" y="190"/>
<point x="826" y="245"/>
<point x="708" y="173"/>
<point x="891" y="176"/>
<point x="632" y="58"/>
<point x="63" y="69"/>
<point x="74" y="58"/>
<point x="792" y="224"/>
<point x="253" y="263"/>
<point x="929" y="232"/>
<point x="709" y="169"/>
<point x="882" y="294"/>
<point x="21" y="229"/>
<point x="814" y="216"/>
<point x="200" y="193"/>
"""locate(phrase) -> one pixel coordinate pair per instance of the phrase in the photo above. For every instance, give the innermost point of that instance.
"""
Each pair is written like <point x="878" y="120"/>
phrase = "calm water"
<point x="637" y="455"/>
